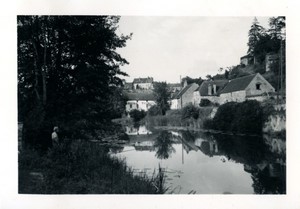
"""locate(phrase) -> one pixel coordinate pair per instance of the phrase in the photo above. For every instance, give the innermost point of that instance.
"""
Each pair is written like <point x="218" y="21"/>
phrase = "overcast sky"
<point x="166" y="48"/>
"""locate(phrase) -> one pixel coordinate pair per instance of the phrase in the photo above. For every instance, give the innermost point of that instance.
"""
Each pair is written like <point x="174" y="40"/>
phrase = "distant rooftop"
<point x="146" y="95"/>
<point x="143" y="80"/>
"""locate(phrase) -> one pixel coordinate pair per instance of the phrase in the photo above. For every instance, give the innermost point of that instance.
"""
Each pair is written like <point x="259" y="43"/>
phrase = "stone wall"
<point x="237" y="96"/>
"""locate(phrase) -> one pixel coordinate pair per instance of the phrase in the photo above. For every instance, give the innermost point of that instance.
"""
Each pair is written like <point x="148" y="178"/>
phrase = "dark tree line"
<point x="68" y="68"/>
<point x="262" y="41"/>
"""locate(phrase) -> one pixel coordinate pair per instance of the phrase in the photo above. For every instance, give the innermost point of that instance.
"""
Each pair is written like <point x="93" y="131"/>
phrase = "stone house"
<point x="140" y="100"/>
<point x="183" y="97"/>
<point x="246" y="60"/>
<point x="270" y="59"/>
<point x="253" y="86"/>
<point x="143" y="83"/>
<point x="209" y="90"/>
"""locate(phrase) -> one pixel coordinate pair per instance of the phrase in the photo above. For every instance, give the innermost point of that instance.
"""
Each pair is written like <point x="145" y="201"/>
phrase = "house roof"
<point x="238" y="84"/>
<point x="203" y="89"/>
<point x="174" y="85"/>
<point x="149" y="95"/>
<point x="246" y="56"/>
<point x="143" y="80"/>
<point x="182" y="91"/>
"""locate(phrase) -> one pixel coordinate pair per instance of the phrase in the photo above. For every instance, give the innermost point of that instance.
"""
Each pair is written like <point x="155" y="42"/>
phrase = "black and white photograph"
<point x="151" y="105"/>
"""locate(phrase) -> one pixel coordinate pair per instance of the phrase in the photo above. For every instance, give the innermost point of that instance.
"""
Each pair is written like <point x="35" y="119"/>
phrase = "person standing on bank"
<point x="55" y="139"/>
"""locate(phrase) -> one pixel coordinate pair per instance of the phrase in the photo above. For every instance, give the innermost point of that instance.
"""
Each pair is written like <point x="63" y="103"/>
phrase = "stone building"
<point x="140" y="101"/>
<point x="253" y="86"/>
<point x="184" y="96"/>
<point x="271" y="58"/>
<point x="209" y="90"/>
<point x="143" y="83"/>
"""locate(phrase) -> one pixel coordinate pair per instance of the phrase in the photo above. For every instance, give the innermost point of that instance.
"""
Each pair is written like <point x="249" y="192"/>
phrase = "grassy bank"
<point x="81" y="168"/>
<point x="190" y="117"/>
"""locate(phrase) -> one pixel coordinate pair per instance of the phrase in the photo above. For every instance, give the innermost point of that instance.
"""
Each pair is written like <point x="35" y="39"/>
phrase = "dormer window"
<point x="258" y="85"/>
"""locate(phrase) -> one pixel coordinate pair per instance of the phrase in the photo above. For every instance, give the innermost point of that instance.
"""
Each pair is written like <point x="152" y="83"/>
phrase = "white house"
<point x="143" y="83"/>
<point x="140" y="100"/>
<point x="253" y="86"/>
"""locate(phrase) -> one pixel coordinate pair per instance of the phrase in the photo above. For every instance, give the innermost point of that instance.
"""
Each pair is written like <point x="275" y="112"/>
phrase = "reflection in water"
<point x="137" y="130"/>
<point x="163" y="145"/>
<point x="215" y="163"/>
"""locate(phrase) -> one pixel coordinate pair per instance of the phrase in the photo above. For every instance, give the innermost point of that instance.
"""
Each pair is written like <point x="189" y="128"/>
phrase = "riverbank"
<point x="81" y="168"/>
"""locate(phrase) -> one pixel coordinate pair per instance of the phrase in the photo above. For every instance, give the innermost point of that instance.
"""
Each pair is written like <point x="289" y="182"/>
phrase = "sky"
<point x="166" y="48"/>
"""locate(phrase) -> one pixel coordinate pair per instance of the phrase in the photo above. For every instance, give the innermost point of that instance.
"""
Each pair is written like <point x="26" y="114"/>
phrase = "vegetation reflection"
<point x="163" y="145"/>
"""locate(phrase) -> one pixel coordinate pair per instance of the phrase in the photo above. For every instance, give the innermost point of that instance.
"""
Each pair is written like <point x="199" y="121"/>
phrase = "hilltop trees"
<point x="66" y="68"/>
<point x="255" y="33"/>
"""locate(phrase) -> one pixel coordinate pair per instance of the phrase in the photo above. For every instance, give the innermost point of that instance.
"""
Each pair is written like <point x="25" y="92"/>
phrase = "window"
<point x="130" y="105"/>
<point x="258" y="86"/>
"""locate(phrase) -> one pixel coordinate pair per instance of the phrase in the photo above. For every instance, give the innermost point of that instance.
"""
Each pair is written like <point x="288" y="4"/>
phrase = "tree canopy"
<point x="162" y="95"/>
<point x="67" y="66"/>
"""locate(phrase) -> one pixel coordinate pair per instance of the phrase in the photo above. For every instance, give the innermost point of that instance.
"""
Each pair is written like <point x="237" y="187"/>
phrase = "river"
<point x="202" y="163"/>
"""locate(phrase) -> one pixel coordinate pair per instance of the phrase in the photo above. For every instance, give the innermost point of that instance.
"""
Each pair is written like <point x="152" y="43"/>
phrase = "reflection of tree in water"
<point x="188" y="136"/>
<point x="267" y="173"/>
<point x="163" y="145"/>
<point x="271" y="180"/>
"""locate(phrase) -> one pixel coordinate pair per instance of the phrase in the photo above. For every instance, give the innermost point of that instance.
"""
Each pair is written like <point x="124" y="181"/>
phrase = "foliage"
<point x="205" y="103"/>
<point x="154" y="110"/>
<point x="190" y="111"/>
<point x="137" y="115"/>
<point x="246" y="117"/>
<point x="82" y="168"/>
<point x="163" y="145"/>
<point x="255" y="33"/>
<point x="162" y="95"/>
<point x="67" y="66"/>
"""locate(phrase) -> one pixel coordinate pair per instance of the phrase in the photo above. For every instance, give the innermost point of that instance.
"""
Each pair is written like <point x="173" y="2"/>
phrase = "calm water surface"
<point x="200" y="163"/>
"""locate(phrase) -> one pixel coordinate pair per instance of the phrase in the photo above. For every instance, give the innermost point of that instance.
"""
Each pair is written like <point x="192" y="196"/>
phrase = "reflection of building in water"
<point x="144" y="146"/>
<point x="276" y="145"/>
<point x="141" y="130"/>
<point x="209" y="147"/>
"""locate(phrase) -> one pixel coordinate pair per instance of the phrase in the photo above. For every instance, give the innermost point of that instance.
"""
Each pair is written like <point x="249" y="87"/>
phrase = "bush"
<point x="208" y="124"/>
<point x="81" y="168"/>
<point x="205" y="103"/>
<point x="137" y="115"/>
<point x="190" y="111"/>
<point x="154" y="110"/>
<point x="246" y="117"/>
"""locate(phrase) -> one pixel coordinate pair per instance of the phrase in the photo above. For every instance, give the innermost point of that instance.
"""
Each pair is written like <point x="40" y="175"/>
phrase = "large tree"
<point x="66" y="68"/>
<point x="162" y="95"/>
<point x="255" y="33"/>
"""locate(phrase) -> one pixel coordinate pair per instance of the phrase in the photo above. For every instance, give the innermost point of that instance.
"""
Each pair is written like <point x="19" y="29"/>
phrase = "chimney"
<point x="209" y="89"/>
<point x="215" y="89"/>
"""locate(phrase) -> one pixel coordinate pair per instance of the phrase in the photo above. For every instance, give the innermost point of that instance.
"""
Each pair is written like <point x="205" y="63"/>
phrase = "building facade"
<point x="184" y="97"/>
<point x="253" y="86"/>
<point x="140" y="101"/>
<point x="209" y="90"/>
<point x="143" y="83"/>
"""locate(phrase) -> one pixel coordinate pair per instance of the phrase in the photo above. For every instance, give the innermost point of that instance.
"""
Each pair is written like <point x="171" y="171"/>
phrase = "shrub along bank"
<point x="246" y="117"/>
<point x="81" y="168"/>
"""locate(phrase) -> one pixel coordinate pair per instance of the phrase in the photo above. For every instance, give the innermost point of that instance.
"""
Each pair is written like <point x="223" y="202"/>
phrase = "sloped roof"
<point x="140" y="95"/>
<point x="182" y="91"/>
<point x="238" y="84"/>
<point x="246" y="56"/>
<point x="203" y="89"/>
<point x="143" y="80"/>
<point x="174" y="85"/>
